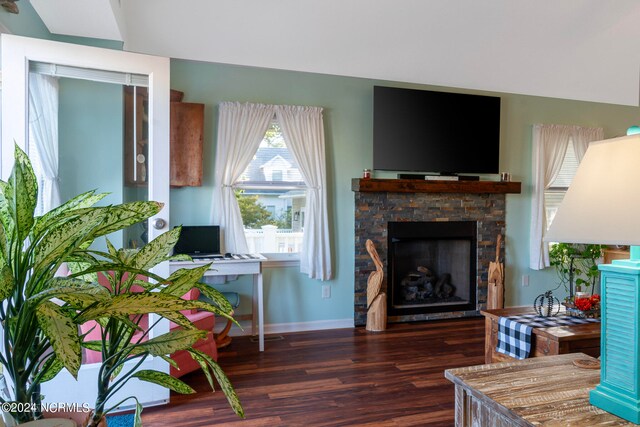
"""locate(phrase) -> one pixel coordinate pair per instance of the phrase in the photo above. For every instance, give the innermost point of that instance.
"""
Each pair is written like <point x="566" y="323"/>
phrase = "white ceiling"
<point x="578" y="49"/>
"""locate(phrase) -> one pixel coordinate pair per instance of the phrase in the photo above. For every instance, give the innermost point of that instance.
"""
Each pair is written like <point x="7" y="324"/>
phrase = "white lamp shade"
<point x="602" y="205"/>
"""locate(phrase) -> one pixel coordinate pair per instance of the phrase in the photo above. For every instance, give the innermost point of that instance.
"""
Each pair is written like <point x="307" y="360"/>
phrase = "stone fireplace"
<point x="435" y="240"/>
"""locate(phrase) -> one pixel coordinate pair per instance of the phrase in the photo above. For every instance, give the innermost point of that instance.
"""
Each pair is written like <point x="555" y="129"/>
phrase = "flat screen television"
<point x="198" y="241"/>
<point x="435" y="132"/>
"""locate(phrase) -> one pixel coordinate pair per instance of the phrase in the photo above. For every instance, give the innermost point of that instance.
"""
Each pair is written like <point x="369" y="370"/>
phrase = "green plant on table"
<point x="577" y="262"/>
<point x="40" y="312"/>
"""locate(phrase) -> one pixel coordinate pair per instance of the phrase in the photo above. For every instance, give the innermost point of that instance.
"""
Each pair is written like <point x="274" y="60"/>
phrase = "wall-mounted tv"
<point x="435" y="132"/>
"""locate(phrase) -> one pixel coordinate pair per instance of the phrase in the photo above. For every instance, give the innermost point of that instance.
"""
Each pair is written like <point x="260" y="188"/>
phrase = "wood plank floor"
<point x="342" y="377"/>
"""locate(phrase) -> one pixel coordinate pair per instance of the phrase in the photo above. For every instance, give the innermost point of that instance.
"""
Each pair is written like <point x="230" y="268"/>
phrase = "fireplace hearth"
<point x="432" y="289"/>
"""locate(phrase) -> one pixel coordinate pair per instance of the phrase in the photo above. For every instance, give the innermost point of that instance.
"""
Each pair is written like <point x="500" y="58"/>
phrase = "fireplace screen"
<point x="432" y="267"/>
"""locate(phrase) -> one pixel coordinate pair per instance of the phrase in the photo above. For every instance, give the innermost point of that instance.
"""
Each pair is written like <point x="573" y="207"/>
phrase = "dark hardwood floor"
<point x="342" y="377"/>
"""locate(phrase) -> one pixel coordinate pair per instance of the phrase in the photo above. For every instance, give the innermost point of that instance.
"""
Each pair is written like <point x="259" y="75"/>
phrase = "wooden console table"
<point x="546" y="341"/>
<point x="230" y="267"/>
<point x="542" y="391"/>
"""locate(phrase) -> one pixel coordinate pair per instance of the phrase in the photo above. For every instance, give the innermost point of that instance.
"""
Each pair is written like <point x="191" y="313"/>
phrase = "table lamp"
<point x="602" y="206"/>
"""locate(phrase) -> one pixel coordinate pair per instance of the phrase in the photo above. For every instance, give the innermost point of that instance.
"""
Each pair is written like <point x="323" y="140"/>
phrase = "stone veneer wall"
<point x="373" y="210"/>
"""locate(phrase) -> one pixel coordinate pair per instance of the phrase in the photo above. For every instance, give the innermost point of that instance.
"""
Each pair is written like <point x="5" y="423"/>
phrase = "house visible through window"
<point x="271" y="195"/>
<point x="555" y="193"/>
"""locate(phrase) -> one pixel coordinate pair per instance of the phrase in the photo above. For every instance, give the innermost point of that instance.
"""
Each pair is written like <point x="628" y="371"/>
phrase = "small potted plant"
<point x="577" y="269"/>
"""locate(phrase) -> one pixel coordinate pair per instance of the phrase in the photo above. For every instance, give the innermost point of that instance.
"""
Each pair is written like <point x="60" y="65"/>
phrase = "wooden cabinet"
<point x="187" y="127"/>
<point x="186" y="138"/>
<point x="611" y="254"/>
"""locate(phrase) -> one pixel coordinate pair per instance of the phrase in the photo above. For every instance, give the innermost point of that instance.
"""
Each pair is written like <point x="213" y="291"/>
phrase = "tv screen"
<point x="435" y="132"/>
<point x="198" y="240"/>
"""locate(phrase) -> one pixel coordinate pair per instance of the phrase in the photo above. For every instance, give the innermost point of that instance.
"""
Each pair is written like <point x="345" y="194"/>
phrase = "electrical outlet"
<point x="326" y="291"/>
<point x="525" y="280"/>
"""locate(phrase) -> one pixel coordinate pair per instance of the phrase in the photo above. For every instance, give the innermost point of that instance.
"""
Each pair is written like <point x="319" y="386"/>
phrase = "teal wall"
<point x="27" y="23"/>
<point x="90" y="126"/>
<point x="292" y="297"/>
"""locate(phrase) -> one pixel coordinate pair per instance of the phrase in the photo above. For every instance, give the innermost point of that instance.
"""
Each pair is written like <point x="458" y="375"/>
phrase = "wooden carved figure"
<point x="376" y="300"/>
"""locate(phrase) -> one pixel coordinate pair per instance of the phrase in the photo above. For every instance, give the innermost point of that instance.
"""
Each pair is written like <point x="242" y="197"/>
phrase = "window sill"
<point x="277" y="260"/>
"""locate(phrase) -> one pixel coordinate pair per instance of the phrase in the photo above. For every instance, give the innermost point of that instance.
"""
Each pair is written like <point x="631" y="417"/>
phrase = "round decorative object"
<point x="141" y="158"/>
<point x="546" y="304"/>
<point x="587" y="363"/>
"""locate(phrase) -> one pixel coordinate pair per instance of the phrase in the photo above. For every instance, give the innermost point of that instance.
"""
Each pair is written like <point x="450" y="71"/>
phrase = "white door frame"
<point x="17" y="52"/>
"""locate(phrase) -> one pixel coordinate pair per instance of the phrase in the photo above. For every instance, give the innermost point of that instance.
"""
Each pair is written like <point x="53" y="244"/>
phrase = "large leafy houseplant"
<point x="40" y="312"/>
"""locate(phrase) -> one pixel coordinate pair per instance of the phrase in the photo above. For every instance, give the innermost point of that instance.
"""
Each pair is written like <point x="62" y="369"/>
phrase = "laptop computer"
<point x="199" y="241"/>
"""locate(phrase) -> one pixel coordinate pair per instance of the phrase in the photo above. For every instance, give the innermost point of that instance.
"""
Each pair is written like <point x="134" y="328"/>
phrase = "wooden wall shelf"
<point x="422" y="186"/>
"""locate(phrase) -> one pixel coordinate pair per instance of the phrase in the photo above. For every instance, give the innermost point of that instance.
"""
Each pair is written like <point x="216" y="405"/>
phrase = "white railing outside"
<point x="270" y="239"/>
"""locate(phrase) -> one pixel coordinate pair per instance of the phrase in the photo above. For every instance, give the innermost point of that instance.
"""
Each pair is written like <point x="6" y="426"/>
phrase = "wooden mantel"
<point x="422" y="186"/>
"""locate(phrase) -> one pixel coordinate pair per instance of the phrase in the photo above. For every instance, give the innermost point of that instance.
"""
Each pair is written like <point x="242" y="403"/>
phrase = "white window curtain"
<point x="241" y="127"/>
<point x="43" y="129"/>
<point x="303" y="131"/>
<point x="549" y="147"/>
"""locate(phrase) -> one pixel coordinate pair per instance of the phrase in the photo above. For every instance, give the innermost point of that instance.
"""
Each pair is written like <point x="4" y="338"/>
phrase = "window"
<point x="271" y="195"/>
<point x="555" y="193"/>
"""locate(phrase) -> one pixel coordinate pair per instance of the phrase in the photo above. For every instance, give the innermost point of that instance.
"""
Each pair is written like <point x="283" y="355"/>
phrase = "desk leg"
<point x="258" y="300"/>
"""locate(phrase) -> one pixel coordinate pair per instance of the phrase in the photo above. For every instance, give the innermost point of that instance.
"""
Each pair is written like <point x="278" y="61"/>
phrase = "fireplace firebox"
<point x="431" y="267"/>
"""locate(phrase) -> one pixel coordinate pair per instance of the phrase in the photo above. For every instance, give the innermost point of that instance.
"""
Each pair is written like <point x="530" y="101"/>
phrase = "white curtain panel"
<point x="241" y="127"/>
<point x="43" y="129"/>
<point x="303" y="131"/>
<point x="549" y="147"/>
<point x="582" y="137"/>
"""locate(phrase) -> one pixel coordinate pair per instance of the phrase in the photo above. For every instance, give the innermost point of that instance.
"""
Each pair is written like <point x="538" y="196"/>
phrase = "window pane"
<point x="554" y="195"/>
<point x="272" y="196"/>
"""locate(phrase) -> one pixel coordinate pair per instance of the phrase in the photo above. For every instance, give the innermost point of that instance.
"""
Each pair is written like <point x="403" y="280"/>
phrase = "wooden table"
<point x="237" y="266"/>
<point x="546" y="341"/>
<point x="542" y="391"/>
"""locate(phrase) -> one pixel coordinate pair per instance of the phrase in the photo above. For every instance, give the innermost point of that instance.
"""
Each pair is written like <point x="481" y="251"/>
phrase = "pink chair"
<point x="203" y="320"/>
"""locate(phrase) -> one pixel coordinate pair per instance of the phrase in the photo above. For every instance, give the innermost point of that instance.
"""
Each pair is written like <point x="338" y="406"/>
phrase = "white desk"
<point x="228" y="267"/>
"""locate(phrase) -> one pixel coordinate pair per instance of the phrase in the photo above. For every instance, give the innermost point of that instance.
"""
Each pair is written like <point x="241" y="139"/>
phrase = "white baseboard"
<point x="283" y="328"/>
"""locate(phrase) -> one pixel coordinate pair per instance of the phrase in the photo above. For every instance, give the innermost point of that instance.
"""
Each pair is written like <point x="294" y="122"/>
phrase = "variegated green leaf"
<point x="170" y="361"/>
<point x="51" y="368"/>
<point x="4" y="243"/>
<point x="6" y="218"/>
<point x="215" y="296"/>
<point x="137" y="418"/>
<point x="126" y="214"/>
<point x="25" y="186"/>
<point x="171" y="342"/>
<point x="78" y="293"/>
<point x="156" y="250"/>
<point x="184" y="279"/>
<point x="179" y="319"/>
<point x="224" y="382"/>
<point x="227" y="389"/>
<point x="116" y="371"/>
<point x="67" y="210"/>
<point x="92" y="345"/>
<point x="63" y="335"/>
<point x="112" y="249"/>
<point x="78" y="270"/>
<point x="7" y="281"/>
<point x="113" y="267"/>
<point x="143" y="303"/>
<point x="62" y="240"/>
<point x="165" y="380"/>
<point x="204" y="366"/>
